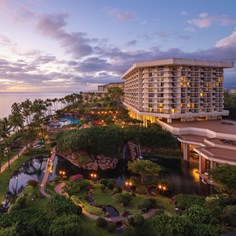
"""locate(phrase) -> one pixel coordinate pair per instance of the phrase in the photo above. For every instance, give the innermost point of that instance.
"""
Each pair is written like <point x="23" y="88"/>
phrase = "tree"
<point x="184" y="201"/>
<point x="229" y="215"/>
<point x="74" y="187"/>
<point x="58" y="205"/>
<point x="200" y="215"/>
<point x="144" y="168"/>
<point x="5" y="128"/>
<point x="225" y="177"/>
<point x="175" y="225"/>
<point x="68" y="225"/>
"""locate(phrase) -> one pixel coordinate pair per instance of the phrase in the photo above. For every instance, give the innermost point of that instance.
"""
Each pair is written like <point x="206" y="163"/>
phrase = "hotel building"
<point x="186" y="98"/>
<point x="175" y="88"/>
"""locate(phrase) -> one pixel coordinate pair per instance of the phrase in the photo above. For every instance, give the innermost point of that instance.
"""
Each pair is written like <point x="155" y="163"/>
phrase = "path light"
<point x="128" y="183"/>
<point x="62" y="172"/>
<point x="162" y="187"/>
<point x="93" y="175"/>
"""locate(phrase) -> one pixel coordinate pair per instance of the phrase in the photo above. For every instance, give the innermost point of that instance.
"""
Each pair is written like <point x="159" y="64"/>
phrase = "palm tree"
<point x="17" y="120"/>
<point x="1" y="157"/>
<point x="26" y="110"/>
<point x="48" y="104"/>
<point x="5" y="128"/>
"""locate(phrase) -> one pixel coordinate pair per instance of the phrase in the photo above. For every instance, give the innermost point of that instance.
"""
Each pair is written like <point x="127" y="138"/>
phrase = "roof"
<point x="179" y="61"/>
<point x="219" y="126"/>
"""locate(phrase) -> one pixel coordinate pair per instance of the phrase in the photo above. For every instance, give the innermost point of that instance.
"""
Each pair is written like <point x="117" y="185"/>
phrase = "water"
<point x="7" y="99"/>
<point x="112" y="211"/>
<point x="181" y="174"/>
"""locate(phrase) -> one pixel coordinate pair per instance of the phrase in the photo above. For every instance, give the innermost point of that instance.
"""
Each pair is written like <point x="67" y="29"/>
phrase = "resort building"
<point x="186" y="97"/>
<point x="175" y="89"/>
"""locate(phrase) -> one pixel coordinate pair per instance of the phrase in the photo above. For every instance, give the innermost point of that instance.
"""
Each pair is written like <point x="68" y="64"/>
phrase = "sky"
<point x="76" y="45"/>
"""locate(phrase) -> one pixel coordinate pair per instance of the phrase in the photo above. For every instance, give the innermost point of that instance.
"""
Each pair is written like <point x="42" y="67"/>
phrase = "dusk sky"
<point x="75" y="45"/>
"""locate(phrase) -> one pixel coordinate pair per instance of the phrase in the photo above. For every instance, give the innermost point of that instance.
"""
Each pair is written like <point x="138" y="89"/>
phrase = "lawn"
<point x="6" y="175"/>
<point x="11" y="155"/>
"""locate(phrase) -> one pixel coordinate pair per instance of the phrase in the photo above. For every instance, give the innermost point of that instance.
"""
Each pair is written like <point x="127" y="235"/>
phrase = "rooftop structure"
<point x="214" y="142"/>
<point x="175" y="88"/>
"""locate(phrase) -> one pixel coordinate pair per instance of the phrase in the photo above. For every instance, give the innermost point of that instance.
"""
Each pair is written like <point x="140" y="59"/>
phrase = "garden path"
<point x="47" y="172"/>
<point x="5" y="166"/>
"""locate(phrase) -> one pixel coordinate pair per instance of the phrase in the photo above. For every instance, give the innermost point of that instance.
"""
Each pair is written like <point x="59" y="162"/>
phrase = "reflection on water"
<point x="182" y="175"/>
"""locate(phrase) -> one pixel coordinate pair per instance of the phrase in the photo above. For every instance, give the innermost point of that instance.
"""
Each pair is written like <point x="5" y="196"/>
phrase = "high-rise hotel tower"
<point x="181" y="89"/>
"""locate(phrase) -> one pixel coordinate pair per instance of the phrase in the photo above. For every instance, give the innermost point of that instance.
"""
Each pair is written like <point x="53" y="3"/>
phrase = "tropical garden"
<point x="79" y="206"/>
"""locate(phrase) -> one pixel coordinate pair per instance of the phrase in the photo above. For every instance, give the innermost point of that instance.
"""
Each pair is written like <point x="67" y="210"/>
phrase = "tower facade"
<point x="175" y="88"/>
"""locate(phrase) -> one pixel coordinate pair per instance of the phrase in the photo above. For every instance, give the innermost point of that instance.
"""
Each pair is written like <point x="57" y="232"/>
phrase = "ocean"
<point x="7" y="99"/>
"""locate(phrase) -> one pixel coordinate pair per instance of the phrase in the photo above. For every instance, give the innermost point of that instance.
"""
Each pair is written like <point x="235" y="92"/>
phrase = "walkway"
<point x="5" y="166"/>
<point x="49" y="164"/>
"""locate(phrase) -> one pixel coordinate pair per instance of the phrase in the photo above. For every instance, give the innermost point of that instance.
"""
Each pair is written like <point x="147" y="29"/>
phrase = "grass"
<point x="11" y="155"/>
<point x="6" y="175"/>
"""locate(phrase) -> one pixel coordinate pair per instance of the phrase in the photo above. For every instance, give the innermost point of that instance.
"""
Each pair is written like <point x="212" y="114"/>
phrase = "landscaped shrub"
<point x="153" y="202"/>
<point x="103" y="181"/>
<point x="145" y="205"/>
<point x="110" y="185"/>
<point x="199" y="215"/>
<point x="102" y="187"/>
<point x="68" y="225"/>
<point x="119" y="189"/>
<point x="101" y="222"/>
<point x="83" y="184"/>
<point x="141" y="189"/>
<point x="32" y="182"/>
<point x="206" y="230"/>
<point x="115" y="190"/>
<point x="229" y="215"/>
<point x="58" y="205"/>
<point x="127" y="196"/>
<point x="14" y="207"/>
<point x="111" y="227"/>
<point x="22" y="201"/>
<point x="123" y="198"/>
<point x="184" y="201"/>
<point x="136" y="220"/>
<point x="176" y="225"/>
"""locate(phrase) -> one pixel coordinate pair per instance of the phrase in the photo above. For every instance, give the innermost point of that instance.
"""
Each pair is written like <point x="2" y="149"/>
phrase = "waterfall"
<point x="139" y="154"/>
<point x="124" y="150"/>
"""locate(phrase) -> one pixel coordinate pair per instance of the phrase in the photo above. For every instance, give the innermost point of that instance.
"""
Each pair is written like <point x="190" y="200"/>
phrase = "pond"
<point x="111" y="211"/>
<point x="182" y="175"/>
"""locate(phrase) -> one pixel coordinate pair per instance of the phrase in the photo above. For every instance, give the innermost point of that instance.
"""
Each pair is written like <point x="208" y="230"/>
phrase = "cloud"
<point x="121" y="16"/>
<point x="184" y="36"/>
<point x="94" y="64"/>
<point x="131" y="43"/>
<point x="205" y="21"/>
<point x="183" y="13"/>
<point x="227" y="41"/>
<point x="76" y="44"/>
<point x="162" y="35"/>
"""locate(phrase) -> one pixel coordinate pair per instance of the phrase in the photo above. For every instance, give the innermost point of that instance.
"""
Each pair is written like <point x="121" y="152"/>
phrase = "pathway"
<point x="49" y="164"/>
<point x="5" y="166"/>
